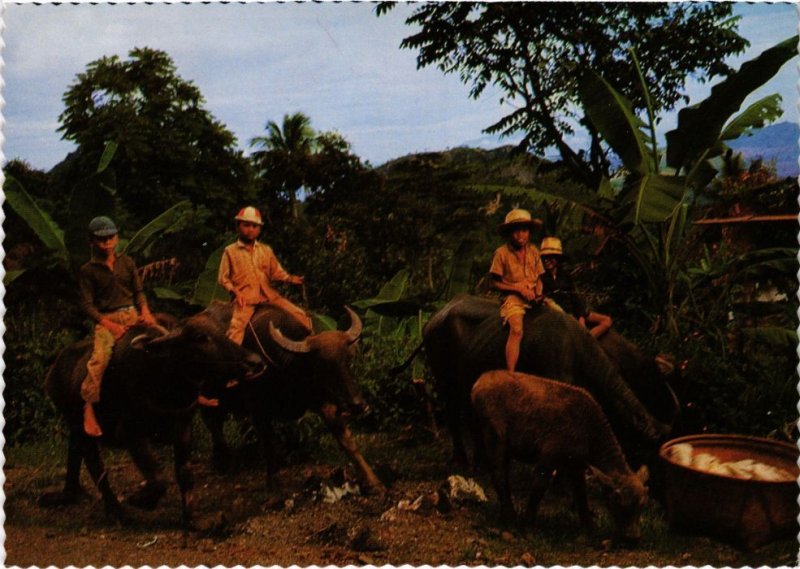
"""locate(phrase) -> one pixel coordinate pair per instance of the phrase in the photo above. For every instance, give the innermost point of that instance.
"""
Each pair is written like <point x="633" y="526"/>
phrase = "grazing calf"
<point x="555" y="426"/>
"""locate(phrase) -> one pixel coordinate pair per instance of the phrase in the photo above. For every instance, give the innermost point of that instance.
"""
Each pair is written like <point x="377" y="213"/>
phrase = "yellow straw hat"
<point x="518" y="217"/>
<point x="551" y="246"/>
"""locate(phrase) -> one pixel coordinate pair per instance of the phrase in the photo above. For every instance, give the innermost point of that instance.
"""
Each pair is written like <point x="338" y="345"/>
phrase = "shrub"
<point x="34" y="336"/>
<point x="395" y="402"/>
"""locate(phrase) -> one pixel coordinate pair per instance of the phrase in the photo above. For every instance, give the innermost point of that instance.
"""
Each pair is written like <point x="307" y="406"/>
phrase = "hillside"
<point x="776" y="142"/>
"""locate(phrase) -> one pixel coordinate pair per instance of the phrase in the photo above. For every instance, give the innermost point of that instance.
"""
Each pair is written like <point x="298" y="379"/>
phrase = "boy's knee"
<point x="515" y="329"/>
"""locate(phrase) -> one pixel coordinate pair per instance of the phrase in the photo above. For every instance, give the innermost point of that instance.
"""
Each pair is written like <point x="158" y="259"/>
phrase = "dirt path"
<point x="241" y="523"/>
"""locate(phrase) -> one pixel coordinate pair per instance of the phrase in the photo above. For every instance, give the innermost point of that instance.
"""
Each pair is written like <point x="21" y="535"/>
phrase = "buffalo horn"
<point x="301" y="347"/>
<point x="164" y="338"/>
<point x="354" y="332"/>
<point x="140" y="341"/>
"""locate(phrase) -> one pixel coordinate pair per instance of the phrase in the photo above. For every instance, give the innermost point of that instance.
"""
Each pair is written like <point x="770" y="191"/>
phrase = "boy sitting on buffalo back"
<point x="247" y="270"/>
<point x="559" y="287"/>
<point x="516" y="270"/>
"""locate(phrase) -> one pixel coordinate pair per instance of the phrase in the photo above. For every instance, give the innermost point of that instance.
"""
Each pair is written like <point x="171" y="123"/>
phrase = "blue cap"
<point x="102" y="226"/>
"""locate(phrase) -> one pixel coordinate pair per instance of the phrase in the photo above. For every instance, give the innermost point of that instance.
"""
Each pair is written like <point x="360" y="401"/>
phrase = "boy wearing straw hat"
<point x="516" y="270"/>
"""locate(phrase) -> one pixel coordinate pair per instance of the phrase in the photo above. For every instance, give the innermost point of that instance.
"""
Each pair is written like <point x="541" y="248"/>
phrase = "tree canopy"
<point x="170" y="147"/>
<point x="536" y="53"/>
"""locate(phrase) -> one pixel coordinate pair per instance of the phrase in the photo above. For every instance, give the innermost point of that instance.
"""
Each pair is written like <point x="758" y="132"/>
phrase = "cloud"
<point x="338" y="63"/>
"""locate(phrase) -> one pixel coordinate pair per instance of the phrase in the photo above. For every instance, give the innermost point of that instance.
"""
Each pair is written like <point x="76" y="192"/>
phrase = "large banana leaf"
<point x="42" y="225"/>
<point x="458" y="279"/>
<point x="206" y="288"/>
<point x="390" y="292"/>
<point x="652" y="198"/>
<point x="758" y="114"/>
<point x="613" y="116"/>
<point x="700" y="125"/>
<point x="145" y="236"/>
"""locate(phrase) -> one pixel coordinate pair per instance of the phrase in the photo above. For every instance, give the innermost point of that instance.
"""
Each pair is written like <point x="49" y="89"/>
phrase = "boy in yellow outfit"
<point x="516" y="270"/>
<point x="111" y="291"/>
<point x="247" y="270"/>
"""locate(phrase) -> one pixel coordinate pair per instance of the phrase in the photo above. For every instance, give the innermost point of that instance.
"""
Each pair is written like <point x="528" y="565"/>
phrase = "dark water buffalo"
<point x="149" y="393"/>
<point x="466" y="338"/>
<point x="555" y="426"/>
<point x="304" y="373"/>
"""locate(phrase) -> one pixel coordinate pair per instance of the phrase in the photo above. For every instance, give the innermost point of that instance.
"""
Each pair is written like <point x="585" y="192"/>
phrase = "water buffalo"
<point x="304" y="373"/>
<point x="555" y="426"/>
<point x="149" y="393"/>
<point x="466" y="338"/>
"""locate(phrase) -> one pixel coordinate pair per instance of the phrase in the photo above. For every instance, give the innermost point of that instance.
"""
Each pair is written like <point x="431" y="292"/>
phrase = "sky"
<point x="339" y="64"/>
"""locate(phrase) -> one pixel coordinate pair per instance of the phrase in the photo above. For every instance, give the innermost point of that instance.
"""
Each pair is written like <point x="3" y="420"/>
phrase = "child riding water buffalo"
<point x="111" y="295"/>
<point x="247" y="270"/>
<point x="516" y="270"/>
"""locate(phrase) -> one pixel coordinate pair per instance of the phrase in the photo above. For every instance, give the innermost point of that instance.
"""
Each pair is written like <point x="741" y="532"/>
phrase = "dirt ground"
<point x="240" y="522"/>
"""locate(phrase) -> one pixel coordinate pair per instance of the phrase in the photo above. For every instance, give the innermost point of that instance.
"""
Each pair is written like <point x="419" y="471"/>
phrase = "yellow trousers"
<point x="101" y="353"/>
<point x="243" y="314"/>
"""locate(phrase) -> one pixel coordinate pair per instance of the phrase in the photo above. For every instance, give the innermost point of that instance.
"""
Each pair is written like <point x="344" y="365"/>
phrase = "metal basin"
<point x="749" y="513"/>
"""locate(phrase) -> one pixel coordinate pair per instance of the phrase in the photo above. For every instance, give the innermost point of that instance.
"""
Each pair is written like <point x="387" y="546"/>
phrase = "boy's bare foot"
<point x="90" y="424"/>
<point x="205" y="402"/>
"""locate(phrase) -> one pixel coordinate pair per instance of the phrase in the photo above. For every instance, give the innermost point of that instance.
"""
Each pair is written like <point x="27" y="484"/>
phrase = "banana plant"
<point x="655" y="204"/>
<point x="90" y="197"/>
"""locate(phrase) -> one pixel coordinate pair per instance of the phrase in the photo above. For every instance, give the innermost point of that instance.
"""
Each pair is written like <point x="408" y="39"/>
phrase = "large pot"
<point x="749" y="513"/>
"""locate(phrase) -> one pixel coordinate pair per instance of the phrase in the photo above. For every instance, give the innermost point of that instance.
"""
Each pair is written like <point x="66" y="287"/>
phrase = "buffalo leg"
<point x="98" y="472"/>
<point x="343" y="436"/>
<point x="148" y="496"/>
<point x="499" y="467"/>
<point x="72" y="491"/>
<point x="453" y="411"/>
<point x="214" y="419"/>
<point x="183" y="474"/>
<point x="263" y="426"/>
<point x="577" y="479"/>
<point x="541" y="481"/>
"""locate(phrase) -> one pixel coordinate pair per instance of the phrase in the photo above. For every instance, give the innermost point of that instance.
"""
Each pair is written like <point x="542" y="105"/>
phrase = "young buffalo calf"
<point x="555" y="426"/>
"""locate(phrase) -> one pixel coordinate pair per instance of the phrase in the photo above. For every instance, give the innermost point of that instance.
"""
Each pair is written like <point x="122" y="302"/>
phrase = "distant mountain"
<point x="776" y="142"/>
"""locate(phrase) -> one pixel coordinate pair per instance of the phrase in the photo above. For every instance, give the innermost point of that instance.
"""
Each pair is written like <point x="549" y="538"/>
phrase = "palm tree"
<point x="285" y="154"/>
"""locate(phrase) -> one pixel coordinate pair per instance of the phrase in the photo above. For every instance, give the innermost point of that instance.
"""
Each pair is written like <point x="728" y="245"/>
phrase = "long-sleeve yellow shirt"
<point x="250" y="272"/>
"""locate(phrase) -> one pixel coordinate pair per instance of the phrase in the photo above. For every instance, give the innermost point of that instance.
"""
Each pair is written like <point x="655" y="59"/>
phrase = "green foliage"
<point x="739" y="384"/>
<point x="168" y="147"/>
<point x="146" y="235"/>
<point x="535" y="53"/>
<point x="394" y="400"/>
<point x="657" y="207"/>
<point x="207" y="289"/>
<point x="42" y="225"/>
<point x="699" y="125"/>
<point x="285" y="156"/>
<point x="33" y="337"/>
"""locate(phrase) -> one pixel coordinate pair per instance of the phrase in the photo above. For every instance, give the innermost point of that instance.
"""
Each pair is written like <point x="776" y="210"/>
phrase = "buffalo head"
<point x="197" y="348"/>
<point x="324" y="360"/>
<point x="626" y="496"/>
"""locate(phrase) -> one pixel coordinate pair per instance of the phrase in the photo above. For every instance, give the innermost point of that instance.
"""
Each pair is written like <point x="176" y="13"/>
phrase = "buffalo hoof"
<point x="148" y="496"/>
<point x="62" y="498"/>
